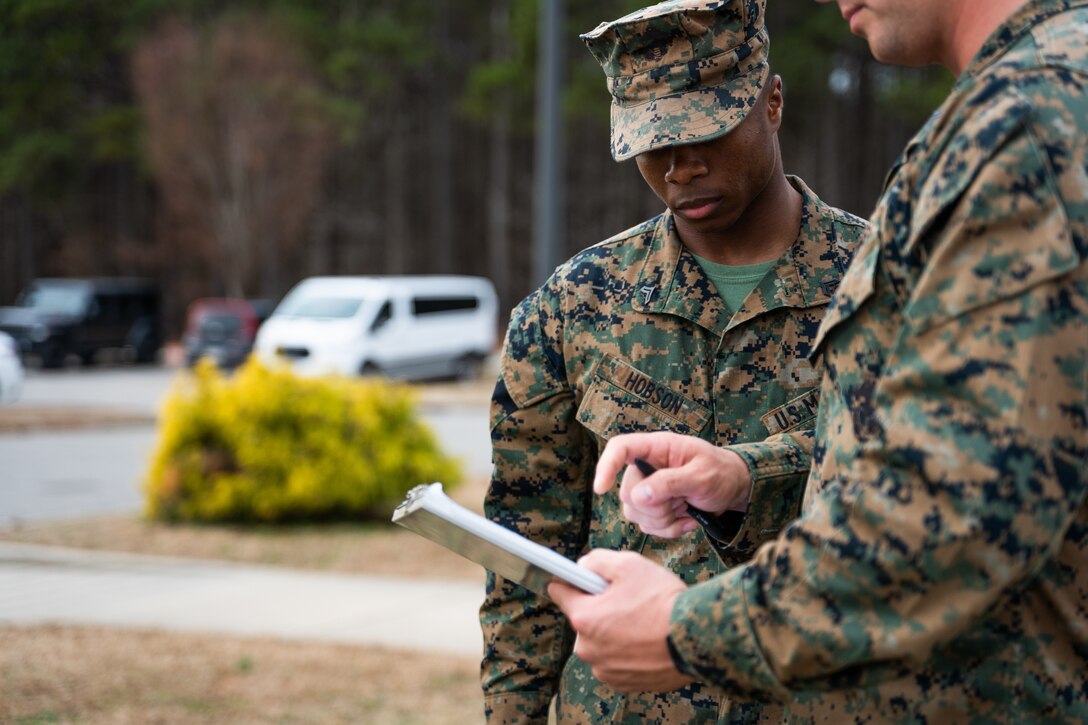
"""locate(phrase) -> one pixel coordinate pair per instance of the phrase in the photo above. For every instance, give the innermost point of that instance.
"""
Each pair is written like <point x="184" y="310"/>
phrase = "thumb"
<point x="605" y="562"/>
<point x="563" y="594"/>
<point x="663" y="485"/>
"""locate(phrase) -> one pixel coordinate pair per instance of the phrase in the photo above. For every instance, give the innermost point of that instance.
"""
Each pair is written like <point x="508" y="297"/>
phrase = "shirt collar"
<point x="1020" y="22"/>
<point x="672" y="282"/>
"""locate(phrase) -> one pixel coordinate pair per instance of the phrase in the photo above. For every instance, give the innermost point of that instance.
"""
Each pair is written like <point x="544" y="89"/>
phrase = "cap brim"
<point x="684" y="118"/>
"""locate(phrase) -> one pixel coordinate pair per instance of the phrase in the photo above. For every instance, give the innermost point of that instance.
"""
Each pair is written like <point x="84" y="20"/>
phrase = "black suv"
<point x="55" y="318"/>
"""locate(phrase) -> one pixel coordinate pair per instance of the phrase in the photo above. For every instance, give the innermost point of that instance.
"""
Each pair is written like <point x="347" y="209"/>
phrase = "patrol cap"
<point x="682" y="71"/>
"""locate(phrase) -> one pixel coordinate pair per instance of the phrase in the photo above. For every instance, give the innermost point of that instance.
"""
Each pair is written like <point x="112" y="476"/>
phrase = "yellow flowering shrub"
<point x="266" y="445"/>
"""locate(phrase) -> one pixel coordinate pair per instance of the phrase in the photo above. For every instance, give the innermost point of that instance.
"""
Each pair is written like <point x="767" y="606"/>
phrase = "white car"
<point x="11" y="369"/>
<point x="414" y="326"/>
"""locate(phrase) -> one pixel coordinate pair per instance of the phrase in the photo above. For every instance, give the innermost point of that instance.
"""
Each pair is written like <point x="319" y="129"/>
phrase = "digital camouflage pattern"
<point x="630" y="335"/>
<point x="939" y="572"/>
<point x="681" y="72"/>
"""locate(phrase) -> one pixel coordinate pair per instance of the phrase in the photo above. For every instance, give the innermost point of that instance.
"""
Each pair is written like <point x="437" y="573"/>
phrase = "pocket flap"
<point x="623" y="399"/>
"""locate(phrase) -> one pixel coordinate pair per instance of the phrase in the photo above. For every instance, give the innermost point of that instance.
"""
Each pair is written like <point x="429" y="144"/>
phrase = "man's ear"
<point x="775" y="101"/>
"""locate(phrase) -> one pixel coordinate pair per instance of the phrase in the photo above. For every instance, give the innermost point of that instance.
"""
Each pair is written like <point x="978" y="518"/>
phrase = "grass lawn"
<point x="67" y="674"/>
<point x="53" y="674"/>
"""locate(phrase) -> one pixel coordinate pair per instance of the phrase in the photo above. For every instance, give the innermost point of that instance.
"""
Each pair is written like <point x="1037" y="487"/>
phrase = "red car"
<point x="223" y="329"/>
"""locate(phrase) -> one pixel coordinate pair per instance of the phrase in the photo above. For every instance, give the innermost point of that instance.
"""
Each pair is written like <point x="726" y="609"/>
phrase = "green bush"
<point x="266" y="445"/>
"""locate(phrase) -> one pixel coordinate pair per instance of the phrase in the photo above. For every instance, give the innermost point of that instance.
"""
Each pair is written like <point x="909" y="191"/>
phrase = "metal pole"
<point x="548" y="221"/>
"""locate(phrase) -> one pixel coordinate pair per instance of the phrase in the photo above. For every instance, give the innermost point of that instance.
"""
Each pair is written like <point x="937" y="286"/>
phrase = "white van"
<point x="412" y="327"/>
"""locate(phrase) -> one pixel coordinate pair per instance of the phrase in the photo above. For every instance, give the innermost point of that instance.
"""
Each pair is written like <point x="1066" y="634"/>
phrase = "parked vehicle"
<point x="412" y="327"/>
<point x="223" y="329"/>
<point x="11" y="369"/>
<point x="55" y="318"/>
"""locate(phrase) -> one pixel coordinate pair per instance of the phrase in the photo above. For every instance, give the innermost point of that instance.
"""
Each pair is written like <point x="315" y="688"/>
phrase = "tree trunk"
<point x="440" y="117"/>
<point x="499" y="190"/>
<point x="396" y="237"/>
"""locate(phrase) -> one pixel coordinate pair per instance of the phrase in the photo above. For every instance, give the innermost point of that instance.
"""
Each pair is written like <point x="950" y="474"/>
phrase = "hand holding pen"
<point x="694" y="483"/>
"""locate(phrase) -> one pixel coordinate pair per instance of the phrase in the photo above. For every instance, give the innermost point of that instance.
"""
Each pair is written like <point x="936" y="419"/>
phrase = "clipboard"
<point x="429" y="512"/>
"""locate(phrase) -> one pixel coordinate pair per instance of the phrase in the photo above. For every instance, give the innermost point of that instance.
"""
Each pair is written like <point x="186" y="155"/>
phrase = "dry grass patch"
<point x="374" y="548"/>
<point x="54" y="674"/>
<point x="29" y="419"/>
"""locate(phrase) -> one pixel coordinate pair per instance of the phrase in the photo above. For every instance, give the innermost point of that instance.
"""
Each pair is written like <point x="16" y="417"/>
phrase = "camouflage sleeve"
<point x="539" y="487"/>
<point x="975" y="474"/>
<point x="779" y="467"/>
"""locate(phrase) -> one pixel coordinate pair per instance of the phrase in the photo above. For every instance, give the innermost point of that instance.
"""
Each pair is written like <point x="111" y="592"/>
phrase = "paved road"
<point x="140" y="389"/>
<point x="72" y="474"/>
<point x="40" y="584"/>
<point x="66" y="474"/>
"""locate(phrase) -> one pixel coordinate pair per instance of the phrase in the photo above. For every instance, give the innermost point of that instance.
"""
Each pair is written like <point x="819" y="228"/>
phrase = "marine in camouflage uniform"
<point x="632" y="335"/>
<point x="940" y="570"/>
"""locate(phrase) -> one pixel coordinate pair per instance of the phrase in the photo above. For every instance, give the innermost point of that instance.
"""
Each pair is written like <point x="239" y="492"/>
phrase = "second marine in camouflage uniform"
<point x="631" y="335"/>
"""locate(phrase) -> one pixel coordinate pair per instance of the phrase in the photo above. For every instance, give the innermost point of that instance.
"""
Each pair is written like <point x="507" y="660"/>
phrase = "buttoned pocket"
<point x="623" y="399"/>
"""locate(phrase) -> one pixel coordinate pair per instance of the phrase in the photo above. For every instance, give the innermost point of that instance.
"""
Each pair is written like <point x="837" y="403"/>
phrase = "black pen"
<point x="713" y="525"/>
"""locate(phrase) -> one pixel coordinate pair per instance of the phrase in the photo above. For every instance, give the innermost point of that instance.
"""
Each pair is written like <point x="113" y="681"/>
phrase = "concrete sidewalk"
<point x="41" y="584"/>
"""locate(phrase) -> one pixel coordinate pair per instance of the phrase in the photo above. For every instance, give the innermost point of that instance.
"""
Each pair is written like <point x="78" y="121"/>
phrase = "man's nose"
<point x="685" y="165"/>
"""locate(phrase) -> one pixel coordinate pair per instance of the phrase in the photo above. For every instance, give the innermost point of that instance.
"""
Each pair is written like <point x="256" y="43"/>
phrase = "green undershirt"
<point x="734" y="281"/>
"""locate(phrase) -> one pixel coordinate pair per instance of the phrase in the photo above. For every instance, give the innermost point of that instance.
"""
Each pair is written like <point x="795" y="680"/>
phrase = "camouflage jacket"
<point x="631" y="335"/>
<point x="939" y="571"/>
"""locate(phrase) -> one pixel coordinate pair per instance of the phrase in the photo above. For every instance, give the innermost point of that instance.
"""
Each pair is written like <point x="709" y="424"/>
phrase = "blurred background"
<point x="234" y="147"/>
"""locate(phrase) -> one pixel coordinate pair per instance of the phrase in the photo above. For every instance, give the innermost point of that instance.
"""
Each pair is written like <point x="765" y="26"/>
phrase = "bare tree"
<point x="499" y="195"/>
<point x="237" y="139"/>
